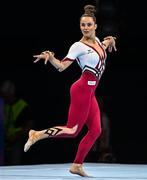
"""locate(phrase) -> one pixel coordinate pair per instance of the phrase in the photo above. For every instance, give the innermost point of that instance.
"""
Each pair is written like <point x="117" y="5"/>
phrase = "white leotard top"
<point x="87" y="56"/>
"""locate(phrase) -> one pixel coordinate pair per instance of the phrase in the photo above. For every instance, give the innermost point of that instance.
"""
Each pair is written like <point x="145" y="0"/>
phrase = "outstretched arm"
<point x="49" y="56"/>
<point x="109" y="43"/>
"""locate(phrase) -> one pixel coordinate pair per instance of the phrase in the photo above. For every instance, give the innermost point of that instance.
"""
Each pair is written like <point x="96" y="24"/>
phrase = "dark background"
<point x="27" y="28"/>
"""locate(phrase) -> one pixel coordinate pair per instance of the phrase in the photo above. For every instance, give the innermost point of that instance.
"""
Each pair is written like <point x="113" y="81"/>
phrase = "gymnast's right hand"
<point x="46" y="55"/>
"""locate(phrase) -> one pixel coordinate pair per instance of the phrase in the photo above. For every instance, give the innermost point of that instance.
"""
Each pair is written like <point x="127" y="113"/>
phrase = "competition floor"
<point x="60" y="172"/>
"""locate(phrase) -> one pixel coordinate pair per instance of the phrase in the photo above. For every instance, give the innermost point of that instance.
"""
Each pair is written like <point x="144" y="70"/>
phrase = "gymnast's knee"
<point x="74" y="131"/>
<point x="74" y="135"/>
<point x="95" y="133"/>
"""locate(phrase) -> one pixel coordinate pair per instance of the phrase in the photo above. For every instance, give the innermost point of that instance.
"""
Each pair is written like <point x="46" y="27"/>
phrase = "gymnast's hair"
<point x="90" y="11"/>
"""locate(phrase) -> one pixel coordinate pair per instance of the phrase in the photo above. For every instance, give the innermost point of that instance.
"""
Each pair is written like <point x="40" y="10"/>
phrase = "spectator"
<point x="1" y="132"/>
<point x="17" y="121"/>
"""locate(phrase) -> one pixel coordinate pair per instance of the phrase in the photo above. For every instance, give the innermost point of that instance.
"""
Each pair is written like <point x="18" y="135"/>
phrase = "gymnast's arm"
<point x="109" y="43"/>
<point x="49" y="56"/>
<point x="60" y="65"/>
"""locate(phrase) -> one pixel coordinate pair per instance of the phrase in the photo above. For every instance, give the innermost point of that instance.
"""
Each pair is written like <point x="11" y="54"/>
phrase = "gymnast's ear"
<point x="95" y="26"/>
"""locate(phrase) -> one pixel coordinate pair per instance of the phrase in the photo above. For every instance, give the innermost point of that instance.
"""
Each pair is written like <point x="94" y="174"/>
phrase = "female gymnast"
<point x="90" y="54"/>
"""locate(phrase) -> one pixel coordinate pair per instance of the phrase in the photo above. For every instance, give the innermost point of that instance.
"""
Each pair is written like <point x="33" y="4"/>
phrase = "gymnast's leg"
<point x="35" y="136"/>
<point x="78" y="112"/>
<point x="94" y="130"/>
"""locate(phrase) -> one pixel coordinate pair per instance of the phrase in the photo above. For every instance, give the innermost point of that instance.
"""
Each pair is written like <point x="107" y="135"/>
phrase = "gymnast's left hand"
<point x="44" y="55"/>
<point x="112" y="43"/>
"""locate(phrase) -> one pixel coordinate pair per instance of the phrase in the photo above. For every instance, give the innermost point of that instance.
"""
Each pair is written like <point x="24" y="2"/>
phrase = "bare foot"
<point x="78" y="169"/>
<point x="31" y="140"/>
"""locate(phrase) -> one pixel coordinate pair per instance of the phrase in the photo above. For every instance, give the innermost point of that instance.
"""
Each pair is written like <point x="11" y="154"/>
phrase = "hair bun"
<point x="89" y="9"/>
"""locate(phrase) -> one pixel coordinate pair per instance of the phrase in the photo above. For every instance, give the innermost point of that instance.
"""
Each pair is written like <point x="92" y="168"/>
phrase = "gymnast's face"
<point x="87" y="26"/>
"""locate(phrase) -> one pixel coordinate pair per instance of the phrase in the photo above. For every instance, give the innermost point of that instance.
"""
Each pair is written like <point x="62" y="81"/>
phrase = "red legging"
<point x="84" y="109"/>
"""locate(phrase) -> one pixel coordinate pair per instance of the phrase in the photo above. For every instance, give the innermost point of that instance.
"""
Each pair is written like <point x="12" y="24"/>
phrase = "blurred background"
<point x="28" y="28"/>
